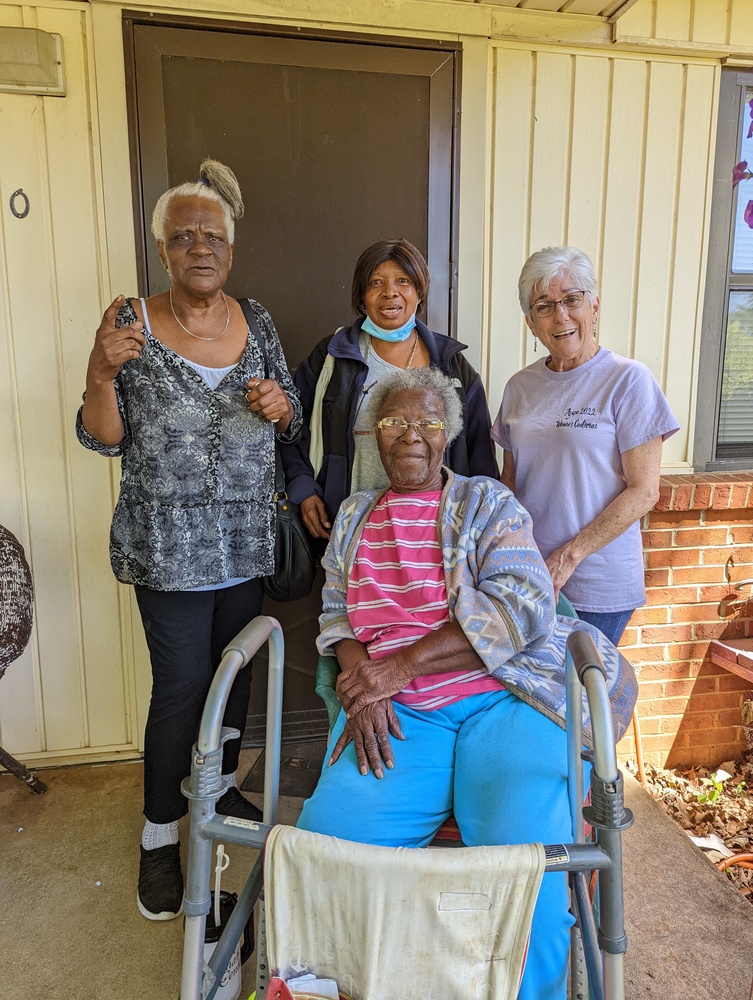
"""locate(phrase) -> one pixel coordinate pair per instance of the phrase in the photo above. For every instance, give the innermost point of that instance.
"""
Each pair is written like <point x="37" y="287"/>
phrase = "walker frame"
<point x="597" y="952"/>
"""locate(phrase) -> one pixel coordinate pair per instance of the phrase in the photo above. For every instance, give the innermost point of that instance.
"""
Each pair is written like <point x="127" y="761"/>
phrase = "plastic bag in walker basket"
<point x="278" y="989"/>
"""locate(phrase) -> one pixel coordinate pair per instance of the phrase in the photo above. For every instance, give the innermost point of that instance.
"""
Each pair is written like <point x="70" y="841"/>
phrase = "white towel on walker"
<point x="397" y="923"/>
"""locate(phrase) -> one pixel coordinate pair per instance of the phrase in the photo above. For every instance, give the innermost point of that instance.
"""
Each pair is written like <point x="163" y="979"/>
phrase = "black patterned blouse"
<point x="197" y="476"/>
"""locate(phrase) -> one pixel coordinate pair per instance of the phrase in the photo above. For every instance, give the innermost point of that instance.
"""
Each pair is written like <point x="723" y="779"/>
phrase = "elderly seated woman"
<point x="441" y="612"/>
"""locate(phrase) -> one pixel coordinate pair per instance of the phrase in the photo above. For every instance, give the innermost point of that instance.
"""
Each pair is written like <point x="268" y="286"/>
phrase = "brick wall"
<point x="698" y="541"/>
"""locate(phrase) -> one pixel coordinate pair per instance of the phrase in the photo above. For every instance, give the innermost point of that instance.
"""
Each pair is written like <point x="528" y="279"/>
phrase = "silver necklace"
<point x="195" y="335"/>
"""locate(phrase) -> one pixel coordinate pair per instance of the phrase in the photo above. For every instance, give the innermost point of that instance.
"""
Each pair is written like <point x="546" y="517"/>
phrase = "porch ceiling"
<point x="612" y="9"/>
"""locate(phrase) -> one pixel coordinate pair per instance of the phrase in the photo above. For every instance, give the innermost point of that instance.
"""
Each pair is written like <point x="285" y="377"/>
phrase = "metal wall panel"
<point x="606" y="148"/>
<point x="612" y="154"/>
<point x="70" y="689"/>
<point x="706" y="22"/>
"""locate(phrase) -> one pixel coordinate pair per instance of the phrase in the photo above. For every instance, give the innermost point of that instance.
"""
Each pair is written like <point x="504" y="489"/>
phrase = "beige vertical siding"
<point x="612" y="154"/>
<point x="602" y="147"/>
<point x="707" y="22"/>
<point x="71" y="689"/>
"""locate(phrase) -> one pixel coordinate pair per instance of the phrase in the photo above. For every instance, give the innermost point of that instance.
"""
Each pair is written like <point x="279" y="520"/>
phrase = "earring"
<point x="535" y="345"/>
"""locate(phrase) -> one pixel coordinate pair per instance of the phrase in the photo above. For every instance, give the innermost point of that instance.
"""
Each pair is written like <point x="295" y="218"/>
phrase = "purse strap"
<point x="253" y="328"/>
<point x="253" y="325"/>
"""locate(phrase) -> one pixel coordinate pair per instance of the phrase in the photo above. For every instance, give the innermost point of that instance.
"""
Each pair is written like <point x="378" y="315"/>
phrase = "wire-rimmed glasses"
<point x="570" y="302"/>
<point x="395" y="427"/>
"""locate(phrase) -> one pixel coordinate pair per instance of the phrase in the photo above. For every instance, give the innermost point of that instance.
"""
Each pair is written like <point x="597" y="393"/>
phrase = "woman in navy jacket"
<point x="336" y="454"/>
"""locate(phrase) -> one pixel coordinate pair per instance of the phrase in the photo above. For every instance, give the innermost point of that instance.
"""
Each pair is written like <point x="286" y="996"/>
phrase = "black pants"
<point x="186" y="632"/>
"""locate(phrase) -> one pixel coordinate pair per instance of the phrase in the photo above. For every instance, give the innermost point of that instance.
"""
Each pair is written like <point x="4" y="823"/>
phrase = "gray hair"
<point x="429" y="380"/>
<point x="217" y="183"/>
<point x="551" y="263"/>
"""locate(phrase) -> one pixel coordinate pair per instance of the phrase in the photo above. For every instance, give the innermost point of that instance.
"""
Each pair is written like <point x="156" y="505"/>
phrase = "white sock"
<point x="231" y="779"/>
<point x="159" y="835"/>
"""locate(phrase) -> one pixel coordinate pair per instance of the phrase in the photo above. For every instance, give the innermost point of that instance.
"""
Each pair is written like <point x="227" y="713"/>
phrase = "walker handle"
<point x="584" y="653"/>
<point x="250" y="639"/>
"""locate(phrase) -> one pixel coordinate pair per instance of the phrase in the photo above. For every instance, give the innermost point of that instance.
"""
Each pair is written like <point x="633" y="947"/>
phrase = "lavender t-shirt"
<point x="566" y="432"/>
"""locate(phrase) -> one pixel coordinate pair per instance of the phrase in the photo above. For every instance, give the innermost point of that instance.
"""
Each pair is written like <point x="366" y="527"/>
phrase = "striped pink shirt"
<point x="397" y="593"/>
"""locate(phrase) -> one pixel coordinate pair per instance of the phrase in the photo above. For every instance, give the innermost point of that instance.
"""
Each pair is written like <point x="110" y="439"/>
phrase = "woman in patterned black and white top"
<point x="176" y="386"/>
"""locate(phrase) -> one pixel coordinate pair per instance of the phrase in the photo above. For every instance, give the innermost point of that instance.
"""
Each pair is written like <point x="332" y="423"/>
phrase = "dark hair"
<point x="404" y="254"/>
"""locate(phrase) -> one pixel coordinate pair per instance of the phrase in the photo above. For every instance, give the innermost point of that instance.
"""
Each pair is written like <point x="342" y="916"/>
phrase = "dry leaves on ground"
<point x="715" y="807"/>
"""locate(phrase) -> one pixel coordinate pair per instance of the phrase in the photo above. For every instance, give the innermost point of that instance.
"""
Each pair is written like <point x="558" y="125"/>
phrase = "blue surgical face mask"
<point x="402" y="333"/>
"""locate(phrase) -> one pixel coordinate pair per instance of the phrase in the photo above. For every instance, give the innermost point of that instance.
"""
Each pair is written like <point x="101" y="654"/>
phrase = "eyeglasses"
<point x="570" y="302"/>
<point x="395" y="427"/>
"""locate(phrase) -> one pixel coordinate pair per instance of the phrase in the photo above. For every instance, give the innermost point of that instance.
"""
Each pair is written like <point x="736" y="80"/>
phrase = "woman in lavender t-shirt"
<point x="582" y="432"/>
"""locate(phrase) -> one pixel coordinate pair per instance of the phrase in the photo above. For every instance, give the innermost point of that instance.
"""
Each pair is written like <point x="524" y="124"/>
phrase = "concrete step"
<point x="70" y="860"/>
<point x="690" y="933"/>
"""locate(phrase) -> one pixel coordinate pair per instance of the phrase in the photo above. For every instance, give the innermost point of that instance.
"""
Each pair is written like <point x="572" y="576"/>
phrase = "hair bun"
<point x="222" y="180"/>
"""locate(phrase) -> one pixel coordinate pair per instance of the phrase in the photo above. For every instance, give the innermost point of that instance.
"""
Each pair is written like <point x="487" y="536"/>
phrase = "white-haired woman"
<point x="441" y="613"/>
<point x="582" y="432"/>
<point x="177" y="386"/>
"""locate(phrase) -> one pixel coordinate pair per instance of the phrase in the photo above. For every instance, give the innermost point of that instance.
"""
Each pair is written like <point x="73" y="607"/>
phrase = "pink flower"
<point x="749" y="214"/>
<point x="740" y="172"/>
<point x="750" y="128"/>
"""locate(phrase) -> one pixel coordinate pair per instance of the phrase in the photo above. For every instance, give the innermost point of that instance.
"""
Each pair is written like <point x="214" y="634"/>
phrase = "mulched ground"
<point x="714" y="807"/>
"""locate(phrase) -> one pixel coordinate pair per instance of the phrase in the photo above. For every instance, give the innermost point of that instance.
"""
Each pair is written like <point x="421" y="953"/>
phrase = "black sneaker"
<point x="233" y="803"/>
<point x="160" y="895"/>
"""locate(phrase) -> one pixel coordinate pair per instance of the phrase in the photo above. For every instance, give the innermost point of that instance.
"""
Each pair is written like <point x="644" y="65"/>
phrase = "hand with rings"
<point x="267" y="398"/>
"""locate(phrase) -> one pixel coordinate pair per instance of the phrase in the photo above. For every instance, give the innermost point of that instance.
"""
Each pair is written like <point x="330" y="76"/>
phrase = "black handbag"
<point x="295" y="561"/>
<point x="295" y="549"/>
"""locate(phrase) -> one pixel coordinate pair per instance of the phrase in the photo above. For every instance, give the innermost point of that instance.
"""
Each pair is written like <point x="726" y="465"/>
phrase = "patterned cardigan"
<point x="498" y="589"/>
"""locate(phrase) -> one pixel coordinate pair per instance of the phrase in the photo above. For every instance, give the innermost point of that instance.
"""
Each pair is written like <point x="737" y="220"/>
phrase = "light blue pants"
<point x="495" y="762"/>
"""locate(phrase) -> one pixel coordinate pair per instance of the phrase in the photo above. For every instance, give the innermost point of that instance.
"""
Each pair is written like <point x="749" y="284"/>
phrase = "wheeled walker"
<point x="597" y="953"/>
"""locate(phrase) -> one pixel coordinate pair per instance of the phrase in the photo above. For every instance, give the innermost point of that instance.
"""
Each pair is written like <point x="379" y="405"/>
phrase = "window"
<point x="724" y="424"/>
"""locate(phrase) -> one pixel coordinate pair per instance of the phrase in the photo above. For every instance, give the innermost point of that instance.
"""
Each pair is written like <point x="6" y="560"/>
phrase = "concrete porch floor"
<point x="70" y="930"/>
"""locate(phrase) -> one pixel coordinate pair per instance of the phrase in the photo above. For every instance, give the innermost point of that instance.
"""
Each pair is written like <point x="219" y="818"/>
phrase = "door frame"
<point x="133" y="18"/>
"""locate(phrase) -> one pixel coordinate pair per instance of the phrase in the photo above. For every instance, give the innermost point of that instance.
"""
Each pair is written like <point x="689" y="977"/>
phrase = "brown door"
<point x="336" y="144"/>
